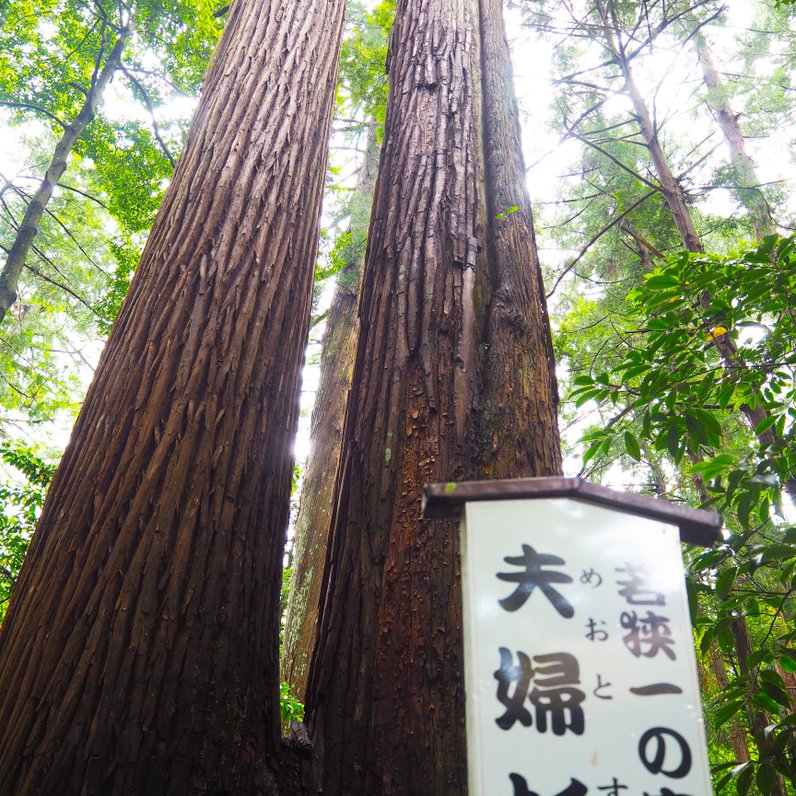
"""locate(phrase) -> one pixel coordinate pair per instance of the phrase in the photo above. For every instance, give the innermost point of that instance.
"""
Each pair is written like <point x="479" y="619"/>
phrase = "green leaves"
<point x="21" y="500"/>
<point x="289" y="706"/>
<point x="130" y="172"/>
<point x="726" y="712"/>
<point x="506" y="213"/>
<point x="362" y="63"/>
<point x="79" y="267"/>
<point x="661" y="281"/>
<point x="724" y="418"/>
<point x="632" y="446"/>
<point x="682" y="386"/>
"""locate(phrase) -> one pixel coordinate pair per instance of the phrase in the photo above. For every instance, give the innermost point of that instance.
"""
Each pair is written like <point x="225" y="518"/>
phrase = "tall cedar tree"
<point x="453" y="379"/>
<point x="748" y="184"/>
<point x="748" y="189"/>
<point x="139" y="654"/>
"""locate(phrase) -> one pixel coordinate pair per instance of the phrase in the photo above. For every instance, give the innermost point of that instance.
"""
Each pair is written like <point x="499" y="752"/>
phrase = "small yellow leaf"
<point x="718" y="331"/>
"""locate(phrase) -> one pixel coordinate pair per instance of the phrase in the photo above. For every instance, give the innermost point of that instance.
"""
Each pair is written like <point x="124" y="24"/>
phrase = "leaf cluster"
<point x="708" y="347"/>
<point x="675" y="378"/>
<point x="21" y="501"/>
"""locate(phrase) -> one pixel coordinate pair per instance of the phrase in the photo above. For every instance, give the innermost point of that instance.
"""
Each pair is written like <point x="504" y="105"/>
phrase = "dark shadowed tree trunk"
<point x="759" y="720"/>
<point x="326" y="435"/>
<point x="738" y="738"/>
<point x="438" y="394"/>
<point x="139" y="653"/>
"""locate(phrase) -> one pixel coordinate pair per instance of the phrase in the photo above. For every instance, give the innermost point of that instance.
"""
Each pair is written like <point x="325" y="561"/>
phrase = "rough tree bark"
<point x="385" y="696"/>
<point x="519" y="401"/>
<point x="147" y="610"/>
<point x="326" y="436"/>
<point x="29" y="226"/>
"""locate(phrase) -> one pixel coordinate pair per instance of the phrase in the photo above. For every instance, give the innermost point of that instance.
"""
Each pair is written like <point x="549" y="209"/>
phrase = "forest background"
<point x="659" y="139"/>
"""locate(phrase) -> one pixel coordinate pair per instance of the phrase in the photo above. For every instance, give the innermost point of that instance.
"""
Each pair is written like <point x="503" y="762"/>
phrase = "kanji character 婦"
<point x="553" y="693"/>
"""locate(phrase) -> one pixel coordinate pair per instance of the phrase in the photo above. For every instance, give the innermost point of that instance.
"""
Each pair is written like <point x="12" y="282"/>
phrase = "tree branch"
<point x="9" y="276"/>
<point x="610" y="157"/>
<point x="596" y="237"/>
<point x="145" y="97"/>
<point x="37" y="108"/>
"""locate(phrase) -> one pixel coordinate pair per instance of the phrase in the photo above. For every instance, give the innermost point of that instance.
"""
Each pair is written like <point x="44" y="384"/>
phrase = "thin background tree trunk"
<point x="436" y="395"/>
<point x="139" y="653"/>
<point x="326" y="436"/>
<point x="675" y="199"/>
<point x="758" y="718"/>
<point x="738" y="737"/>
<point x="29" y="227"/>
<point x="727" y="120"/>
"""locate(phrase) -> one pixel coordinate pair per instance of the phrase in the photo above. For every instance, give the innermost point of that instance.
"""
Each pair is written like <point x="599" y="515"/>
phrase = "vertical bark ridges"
<point x="385" y="697"/>
<point x="147" y="609"/>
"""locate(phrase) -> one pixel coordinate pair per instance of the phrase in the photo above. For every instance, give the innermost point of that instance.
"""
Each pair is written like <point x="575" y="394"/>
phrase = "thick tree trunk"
<point x="29" y="227"/>
<point x="748" y="188"/>
<point x="385" y="692"/>
<point x="326" y="436"/>
<point x="518" y="407"/>
<point x="385" y="697"/>
<point x="147" y="611"/>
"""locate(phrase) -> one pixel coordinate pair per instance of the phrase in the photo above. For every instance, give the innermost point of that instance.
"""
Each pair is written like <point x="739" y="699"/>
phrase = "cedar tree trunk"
<point x="518" y="411"/>
<point x="139" y="654"/>
<point x="385" y="697"/>
<point x="326" y="436"/>
<point x="759" y="719"/>
<point x="738" y="738"/>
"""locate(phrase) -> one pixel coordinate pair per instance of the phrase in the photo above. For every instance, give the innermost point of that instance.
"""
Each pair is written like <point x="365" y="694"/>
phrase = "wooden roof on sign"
<point x="697" y="526"/>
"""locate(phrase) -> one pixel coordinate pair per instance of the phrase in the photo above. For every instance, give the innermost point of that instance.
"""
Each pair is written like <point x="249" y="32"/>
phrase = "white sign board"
<point x="579" y="664"/>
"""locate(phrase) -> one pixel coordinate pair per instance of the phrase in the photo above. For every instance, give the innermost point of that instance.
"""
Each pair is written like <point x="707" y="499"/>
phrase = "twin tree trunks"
<point x="139" y="654"/>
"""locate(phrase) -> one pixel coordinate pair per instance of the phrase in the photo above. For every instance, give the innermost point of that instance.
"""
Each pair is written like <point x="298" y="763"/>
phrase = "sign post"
<point x="580" y="674"/>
